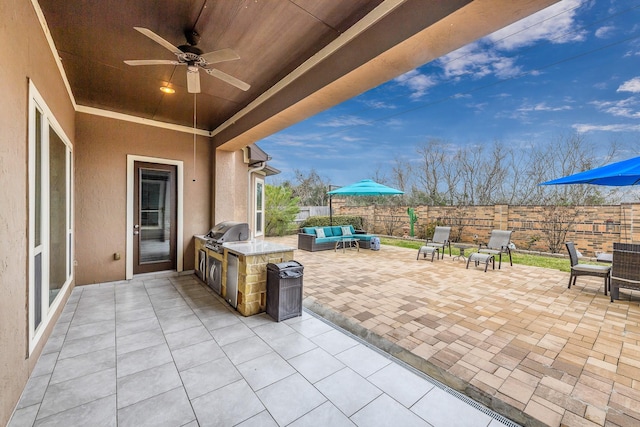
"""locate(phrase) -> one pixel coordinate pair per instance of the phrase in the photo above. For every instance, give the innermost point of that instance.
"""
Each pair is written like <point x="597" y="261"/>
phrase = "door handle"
<point x="136" y="231"/>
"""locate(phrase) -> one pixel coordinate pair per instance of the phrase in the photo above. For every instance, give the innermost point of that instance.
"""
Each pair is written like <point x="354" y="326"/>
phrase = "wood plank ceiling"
<point x="272" y="37"/>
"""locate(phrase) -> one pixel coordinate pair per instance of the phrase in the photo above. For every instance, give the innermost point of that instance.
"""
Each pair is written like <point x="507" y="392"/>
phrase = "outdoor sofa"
<point x="309" y="240"/>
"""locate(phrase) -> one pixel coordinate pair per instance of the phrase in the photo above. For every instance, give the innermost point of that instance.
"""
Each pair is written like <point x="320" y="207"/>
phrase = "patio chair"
<point x="625" y="269"/>
<point x="498" y="244"/>
<point x="578" y="269"/>
<point x="440" y="240"/>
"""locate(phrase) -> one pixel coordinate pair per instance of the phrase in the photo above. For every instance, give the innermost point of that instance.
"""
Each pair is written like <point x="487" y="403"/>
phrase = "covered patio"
<point x="515" y="339"/>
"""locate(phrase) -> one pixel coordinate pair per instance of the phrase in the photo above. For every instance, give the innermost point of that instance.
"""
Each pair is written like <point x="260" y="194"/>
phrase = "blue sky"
<point x="573" y="67"/>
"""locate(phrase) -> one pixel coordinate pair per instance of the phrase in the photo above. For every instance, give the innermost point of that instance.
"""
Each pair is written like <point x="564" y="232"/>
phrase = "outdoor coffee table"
<point x="347" y="240"/>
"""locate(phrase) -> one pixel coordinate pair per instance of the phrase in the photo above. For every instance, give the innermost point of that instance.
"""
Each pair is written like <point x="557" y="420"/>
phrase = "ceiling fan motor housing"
<point x="192" y="36"/>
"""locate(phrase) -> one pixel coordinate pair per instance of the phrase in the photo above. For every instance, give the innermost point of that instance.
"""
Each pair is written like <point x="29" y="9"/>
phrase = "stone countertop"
<point x="255" y="247"/>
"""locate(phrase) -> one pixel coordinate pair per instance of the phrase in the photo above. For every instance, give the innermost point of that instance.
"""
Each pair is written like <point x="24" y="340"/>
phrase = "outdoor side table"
<point x="604" y="257"/>
<point x="461" y="248"/>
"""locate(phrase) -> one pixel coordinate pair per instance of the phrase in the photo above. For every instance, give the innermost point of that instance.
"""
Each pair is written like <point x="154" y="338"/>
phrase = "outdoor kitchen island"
<point x="245" y="263"/>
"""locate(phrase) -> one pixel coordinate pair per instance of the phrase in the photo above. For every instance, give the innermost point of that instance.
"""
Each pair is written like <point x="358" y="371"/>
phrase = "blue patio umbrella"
<point x="619" y="174"/>
<point x="626" y="172"/>
<point x="366" y="187"/>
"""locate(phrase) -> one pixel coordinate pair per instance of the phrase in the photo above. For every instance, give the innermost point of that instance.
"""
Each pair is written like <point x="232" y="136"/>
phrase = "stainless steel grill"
<point x="227" y="231"/>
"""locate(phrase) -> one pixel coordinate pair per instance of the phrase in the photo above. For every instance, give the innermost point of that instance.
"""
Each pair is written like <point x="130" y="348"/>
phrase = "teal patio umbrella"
<point x="366" y="187"/>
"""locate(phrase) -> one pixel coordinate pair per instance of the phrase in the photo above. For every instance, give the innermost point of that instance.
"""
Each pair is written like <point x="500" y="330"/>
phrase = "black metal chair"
<point x="578" y="269"/>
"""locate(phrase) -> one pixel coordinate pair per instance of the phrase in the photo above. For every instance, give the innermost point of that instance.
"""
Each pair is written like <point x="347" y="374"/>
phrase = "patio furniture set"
<point x="624" y="271"/>
<point x="331" y="237"/>
<point x="498" y="244"/>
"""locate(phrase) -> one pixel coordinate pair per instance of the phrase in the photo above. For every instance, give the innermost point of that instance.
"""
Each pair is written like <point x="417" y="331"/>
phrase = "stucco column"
<point x="229" y="202"/>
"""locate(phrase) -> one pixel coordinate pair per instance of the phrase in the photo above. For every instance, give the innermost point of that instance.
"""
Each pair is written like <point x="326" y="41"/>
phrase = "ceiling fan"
<point x="189" y="55"/>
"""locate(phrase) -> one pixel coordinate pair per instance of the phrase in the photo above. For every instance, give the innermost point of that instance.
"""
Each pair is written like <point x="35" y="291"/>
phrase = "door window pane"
<point x="259" y="220"/>
<point x="57" y="214"/>
<point x="155" y="216"/>
<point x="38" y="180"/>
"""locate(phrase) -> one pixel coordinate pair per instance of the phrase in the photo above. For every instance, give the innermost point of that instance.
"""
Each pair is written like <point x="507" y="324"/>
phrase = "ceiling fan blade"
<point x="227" y="78"/>
<point x="193" y="80"/>
<point x="156" y="38"/>
<point x="151" y="62"/>
<point x="221" y="55"/>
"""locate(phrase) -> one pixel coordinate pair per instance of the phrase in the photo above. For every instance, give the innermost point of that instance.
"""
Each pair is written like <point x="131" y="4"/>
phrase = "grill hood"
<point x="229" y="231"/>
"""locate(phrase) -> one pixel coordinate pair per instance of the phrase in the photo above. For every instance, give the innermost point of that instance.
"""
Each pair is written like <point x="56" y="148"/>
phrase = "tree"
<point x="559" y="220"/>
<point x="281" y="209"/>
<point x="310" y="188"/>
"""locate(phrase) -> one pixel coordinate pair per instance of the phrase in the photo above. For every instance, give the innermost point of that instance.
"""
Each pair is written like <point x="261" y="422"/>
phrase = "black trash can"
<point x="284" y="290"/>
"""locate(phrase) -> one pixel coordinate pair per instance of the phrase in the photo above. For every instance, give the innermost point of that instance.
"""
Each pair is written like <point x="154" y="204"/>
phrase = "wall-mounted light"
<point x="167" y="89"/>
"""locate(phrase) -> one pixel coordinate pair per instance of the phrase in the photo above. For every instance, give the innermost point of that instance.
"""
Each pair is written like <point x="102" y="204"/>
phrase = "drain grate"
<point x="487" y="411"/>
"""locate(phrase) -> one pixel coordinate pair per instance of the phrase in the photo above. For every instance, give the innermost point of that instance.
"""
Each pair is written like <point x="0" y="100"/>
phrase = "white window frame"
<point x="258" y="209"/>
<point x="48" y="121"/>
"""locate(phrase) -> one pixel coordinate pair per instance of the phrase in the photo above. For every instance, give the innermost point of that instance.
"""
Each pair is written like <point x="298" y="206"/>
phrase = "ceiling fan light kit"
<point x="193" y="58"/>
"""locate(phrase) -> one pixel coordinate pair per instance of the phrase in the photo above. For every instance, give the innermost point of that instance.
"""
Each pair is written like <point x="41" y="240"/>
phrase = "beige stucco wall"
<point x="25" y="56"/>
<point x="102" y="146"/>
<point x="231" y="180"/>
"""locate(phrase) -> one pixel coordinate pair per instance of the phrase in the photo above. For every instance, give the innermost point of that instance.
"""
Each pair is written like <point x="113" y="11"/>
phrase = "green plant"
<point x="532" y="241"/>
<point x="430" y="227"/>
<point x="413" y="218"/>
<point x="280" y="210"/>
<point x="325" y="221"/>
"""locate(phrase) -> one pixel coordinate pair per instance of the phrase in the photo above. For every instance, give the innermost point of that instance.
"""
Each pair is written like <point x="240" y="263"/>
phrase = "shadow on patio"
<point x="515" y="339"/>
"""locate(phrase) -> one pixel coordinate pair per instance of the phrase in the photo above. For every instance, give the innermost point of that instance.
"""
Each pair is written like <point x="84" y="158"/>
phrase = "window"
<point x="50" y="214"/>
<point x="259" y="208"/>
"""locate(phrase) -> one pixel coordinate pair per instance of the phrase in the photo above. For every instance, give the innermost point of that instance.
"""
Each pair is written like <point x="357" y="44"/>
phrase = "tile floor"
<point x="166" y="351"/>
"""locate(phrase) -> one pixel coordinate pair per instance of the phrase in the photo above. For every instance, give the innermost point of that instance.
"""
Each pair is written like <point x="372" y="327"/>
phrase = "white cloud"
<point x="352" y="139"/>
<point x="378" y="105"/>
<point x="417" y="82"/>
<point x="604" y="32"/>
<point x="302" y="140"/>
<point x="629" y="107"/>
<point x="542" y="106"/>
<point x="394" y="123"/>
<point x="632" y="85"/>
<point x="344" y="121"/>
<point x="555" y="24"/>
<point x="584" y="128"/>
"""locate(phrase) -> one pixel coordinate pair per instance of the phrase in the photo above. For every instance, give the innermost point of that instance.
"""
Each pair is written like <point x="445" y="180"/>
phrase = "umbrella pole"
<point x="330" y="210"/>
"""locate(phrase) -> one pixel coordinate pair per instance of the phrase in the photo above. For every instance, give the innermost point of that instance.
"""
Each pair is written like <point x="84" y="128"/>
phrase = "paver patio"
<point x="515" y="339"/>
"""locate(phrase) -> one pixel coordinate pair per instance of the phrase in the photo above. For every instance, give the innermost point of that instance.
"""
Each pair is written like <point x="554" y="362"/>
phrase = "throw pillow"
<point x="346" y="231"/>
<point x="319" y="232"/>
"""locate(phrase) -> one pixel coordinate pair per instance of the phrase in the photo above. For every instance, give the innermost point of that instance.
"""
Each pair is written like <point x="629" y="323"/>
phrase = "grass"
<point x="555" y="263"/>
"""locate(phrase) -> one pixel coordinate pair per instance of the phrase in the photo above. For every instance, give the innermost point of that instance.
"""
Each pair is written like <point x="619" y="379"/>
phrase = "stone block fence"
<point x="536" y="228"/>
